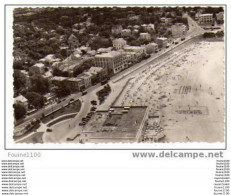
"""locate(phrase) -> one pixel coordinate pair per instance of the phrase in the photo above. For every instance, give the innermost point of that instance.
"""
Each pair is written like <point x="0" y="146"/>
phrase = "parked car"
<point x="104" y="81"/>
<point x="93" y="108"/>
<point x="84" y="92"/>
<point x="94" y="102"/>
<point x="49" y="130"/>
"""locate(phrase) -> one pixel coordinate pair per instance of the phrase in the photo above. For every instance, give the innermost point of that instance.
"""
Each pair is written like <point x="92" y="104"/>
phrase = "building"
<point x="136" y="27"/>
<point x="206" y="18"/>
<point x="113" y="62"/>
<point x="37" y="69"/>
<point x="150" y="27"/>
<point x="72" y="83"/>
<point x="22" y="101"/>
<point x="119" y="43"/>
<point x="86" y="77"/>
<point x="178" y="30"/>
<point x="73" y="42"/>
<point x="131" y="57"/>
<point x="118" y="124"/>
<point x="145" y="36"/>
<point x="126" y="32"/>
<point x="139" y="50"/>
<point x="49" y="59"/>
<point x="166" y="20"/>
<point x="135" y="32"/>
<point x="98" y="73"/>
<point x="220" y="17"/>
<point x="104" y="50"/>
<point x="162" y="42"/>
<point x="57" y="80"/>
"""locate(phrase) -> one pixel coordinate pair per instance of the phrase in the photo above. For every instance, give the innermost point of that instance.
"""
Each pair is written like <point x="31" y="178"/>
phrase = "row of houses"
<point x="208" y="18"/>
<point x="81" y="82"/>
<point x="118" y="29"/>
<point x="74" y="84"/>
<point x="119" y="59"/>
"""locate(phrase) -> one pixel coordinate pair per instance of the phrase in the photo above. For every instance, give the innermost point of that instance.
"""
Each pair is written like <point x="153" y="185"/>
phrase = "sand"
<point x="187" y="90"/>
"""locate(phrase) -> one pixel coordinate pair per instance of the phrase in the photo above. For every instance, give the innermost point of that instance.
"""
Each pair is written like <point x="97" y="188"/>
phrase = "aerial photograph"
<point x="150" y="74"/>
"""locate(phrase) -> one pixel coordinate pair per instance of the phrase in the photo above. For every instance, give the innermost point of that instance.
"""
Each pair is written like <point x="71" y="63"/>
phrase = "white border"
<point x="9" y="110"/>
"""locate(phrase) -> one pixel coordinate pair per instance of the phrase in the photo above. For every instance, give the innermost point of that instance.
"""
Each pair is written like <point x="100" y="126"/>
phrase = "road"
<point x="194" y="30"/>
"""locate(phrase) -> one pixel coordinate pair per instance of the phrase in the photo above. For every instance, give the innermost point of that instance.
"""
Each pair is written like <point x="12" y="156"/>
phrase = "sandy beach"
<point x="187" y="90"/>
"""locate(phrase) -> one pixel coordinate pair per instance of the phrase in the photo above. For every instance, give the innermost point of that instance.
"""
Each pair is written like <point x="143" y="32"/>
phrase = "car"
<point x="94" y="102"/>
<point x="49" y="130"/>
<point x="83" y="119"/>
<point x="104" y="81"/>
<point x="84" y="92"/>
<point x="90" y="113"/>
<point x="93" y="108"/>
<point x="81" y="124"/>
<point x="71" y="100"/>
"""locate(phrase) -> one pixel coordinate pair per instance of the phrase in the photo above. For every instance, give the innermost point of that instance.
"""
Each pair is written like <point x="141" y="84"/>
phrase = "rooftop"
<point x="162" y="38"/>
<point x="40" y="65"/>
<point x="116" y="123"/>
<point x="58" y="78"/>
<point x="111" y="54"/>
<point x="95" y="69"/>
<point x="120" y="40"/>
<point x="133" y="48"/>
<point x="20" y="98"/>
<point x="206" y="15"/>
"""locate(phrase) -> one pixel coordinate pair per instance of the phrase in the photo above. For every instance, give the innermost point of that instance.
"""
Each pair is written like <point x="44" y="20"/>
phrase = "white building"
<point x="151" y="27"/>
<point x="139" y="50"/>
<point x="220" y="17"/>
<point x="125" y="32"/>
<point x="162" y="42"/>
<point x="119" y="43"/>
<point x="73" y="42"/>
<point x="206" y="19"/>
<point x="178" y="30"/>
<point x="22" y="101"/>
<point x="145" y="36"/>
<point x="112" y="62"/>
<point x="86" y="77"/>
<point x="38" y="68"/>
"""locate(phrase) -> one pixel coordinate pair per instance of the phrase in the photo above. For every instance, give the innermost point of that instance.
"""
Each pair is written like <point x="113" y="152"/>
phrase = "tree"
<point x="220" y="34"/>
<point x="35" y="99"/>
<point x="39" y="84"/>
<point x="62" y="91"/>
<point x="58" y="72"/>
<point x="19" y="82"/>
<point x="19" y="111"/>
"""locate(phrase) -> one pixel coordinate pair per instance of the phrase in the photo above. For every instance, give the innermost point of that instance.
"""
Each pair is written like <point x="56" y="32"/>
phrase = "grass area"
<point x="70" y="108"/>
